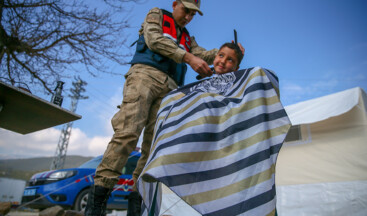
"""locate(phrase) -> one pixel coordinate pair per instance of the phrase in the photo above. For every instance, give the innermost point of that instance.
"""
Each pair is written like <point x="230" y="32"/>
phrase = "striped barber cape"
<point x="215" y="145"/>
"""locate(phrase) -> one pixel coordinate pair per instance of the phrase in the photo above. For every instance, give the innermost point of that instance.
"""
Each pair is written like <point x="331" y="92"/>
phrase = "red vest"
<point x="169" y="31"/>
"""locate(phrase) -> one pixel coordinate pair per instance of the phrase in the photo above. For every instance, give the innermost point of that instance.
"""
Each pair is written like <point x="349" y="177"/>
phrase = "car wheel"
<point x="81" y="200"/>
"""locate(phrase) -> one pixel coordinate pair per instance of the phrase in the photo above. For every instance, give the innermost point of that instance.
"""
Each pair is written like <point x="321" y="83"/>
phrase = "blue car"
<point x="69" y="187"/>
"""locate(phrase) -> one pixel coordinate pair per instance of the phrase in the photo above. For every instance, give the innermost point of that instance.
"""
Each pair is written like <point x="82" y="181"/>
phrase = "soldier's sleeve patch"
<point x="154" y="16"/>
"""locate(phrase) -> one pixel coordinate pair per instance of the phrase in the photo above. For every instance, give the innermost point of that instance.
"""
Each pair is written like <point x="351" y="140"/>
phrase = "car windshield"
<point x="128" y="169"/>
<point x="92" y="164"/>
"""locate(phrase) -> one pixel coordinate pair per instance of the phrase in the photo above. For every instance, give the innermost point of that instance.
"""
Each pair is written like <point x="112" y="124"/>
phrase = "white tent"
<point x="11" y="190"/>
<point x="322" y="166"/>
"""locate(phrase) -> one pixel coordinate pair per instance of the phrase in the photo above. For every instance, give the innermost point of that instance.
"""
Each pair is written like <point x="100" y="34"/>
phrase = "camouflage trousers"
<point x="143" y="92"/>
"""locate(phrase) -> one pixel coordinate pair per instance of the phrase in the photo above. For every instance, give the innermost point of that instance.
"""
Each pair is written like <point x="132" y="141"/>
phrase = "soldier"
<point x="158" y="66"/>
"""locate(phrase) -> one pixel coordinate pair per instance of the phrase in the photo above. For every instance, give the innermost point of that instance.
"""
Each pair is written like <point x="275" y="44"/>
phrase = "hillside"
<point x="25" y="168"/>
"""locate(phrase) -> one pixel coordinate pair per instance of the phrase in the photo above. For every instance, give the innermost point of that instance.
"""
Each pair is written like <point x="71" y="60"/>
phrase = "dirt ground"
<point x="21" y="213"/>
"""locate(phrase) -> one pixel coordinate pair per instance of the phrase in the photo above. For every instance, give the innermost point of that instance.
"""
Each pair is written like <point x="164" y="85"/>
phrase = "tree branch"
<point x="43" y="40"/>
<point x="34" y="74"/>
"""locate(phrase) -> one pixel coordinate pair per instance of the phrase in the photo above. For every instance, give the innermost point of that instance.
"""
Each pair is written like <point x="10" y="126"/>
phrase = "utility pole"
<point x="62" y="146"/>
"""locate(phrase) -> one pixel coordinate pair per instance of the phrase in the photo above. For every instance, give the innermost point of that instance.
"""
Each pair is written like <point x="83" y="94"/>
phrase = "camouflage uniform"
<point x="144" y="88"/>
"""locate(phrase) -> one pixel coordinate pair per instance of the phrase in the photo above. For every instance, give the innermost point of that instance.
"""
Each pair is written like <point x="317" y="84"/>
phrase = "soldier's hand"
<point x="198" y="65"/>
<point x="241" y="47"/>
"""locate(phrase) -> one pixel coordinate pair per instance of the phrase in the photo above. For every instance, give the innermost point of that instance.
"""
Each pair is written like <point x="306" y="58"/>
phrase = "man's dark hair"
<point x="236" y="49"/>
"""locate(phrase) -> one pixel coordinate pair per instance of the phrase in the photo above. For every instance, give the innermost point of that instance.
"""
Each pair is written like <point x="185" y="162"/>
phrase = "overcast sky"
<point x="316" y="47"/>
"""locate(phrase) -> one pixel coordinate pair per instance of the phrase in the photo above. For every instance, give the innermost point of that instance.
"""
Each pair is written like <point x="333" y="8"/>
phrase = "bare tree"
<point x="42" y="41"/>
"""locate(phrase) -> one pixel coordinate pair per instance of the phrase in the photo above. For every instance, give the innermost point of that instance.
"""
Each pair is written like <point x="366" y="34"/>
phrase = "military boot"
<point x="97" y="201"/>
<point x="134" y="204"/>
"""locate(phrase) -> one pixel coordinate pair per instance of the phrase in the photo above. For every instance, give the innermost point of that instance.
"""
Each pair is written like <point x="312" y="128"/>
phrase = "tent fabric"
<point x="335" y="154"/>
<point x="216" y="143"/>
<point x="327" y="175"/>
<point x="174" y="205"/>
<point x="337" y="151"/>
<point x="322" y="108"/>
<point x="328" y="198"/>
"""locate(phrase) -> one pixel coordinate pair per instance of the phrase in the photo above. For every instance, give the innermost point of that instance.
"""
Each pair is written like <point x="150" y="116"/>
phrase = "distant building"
<point x="11" y="190"/>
